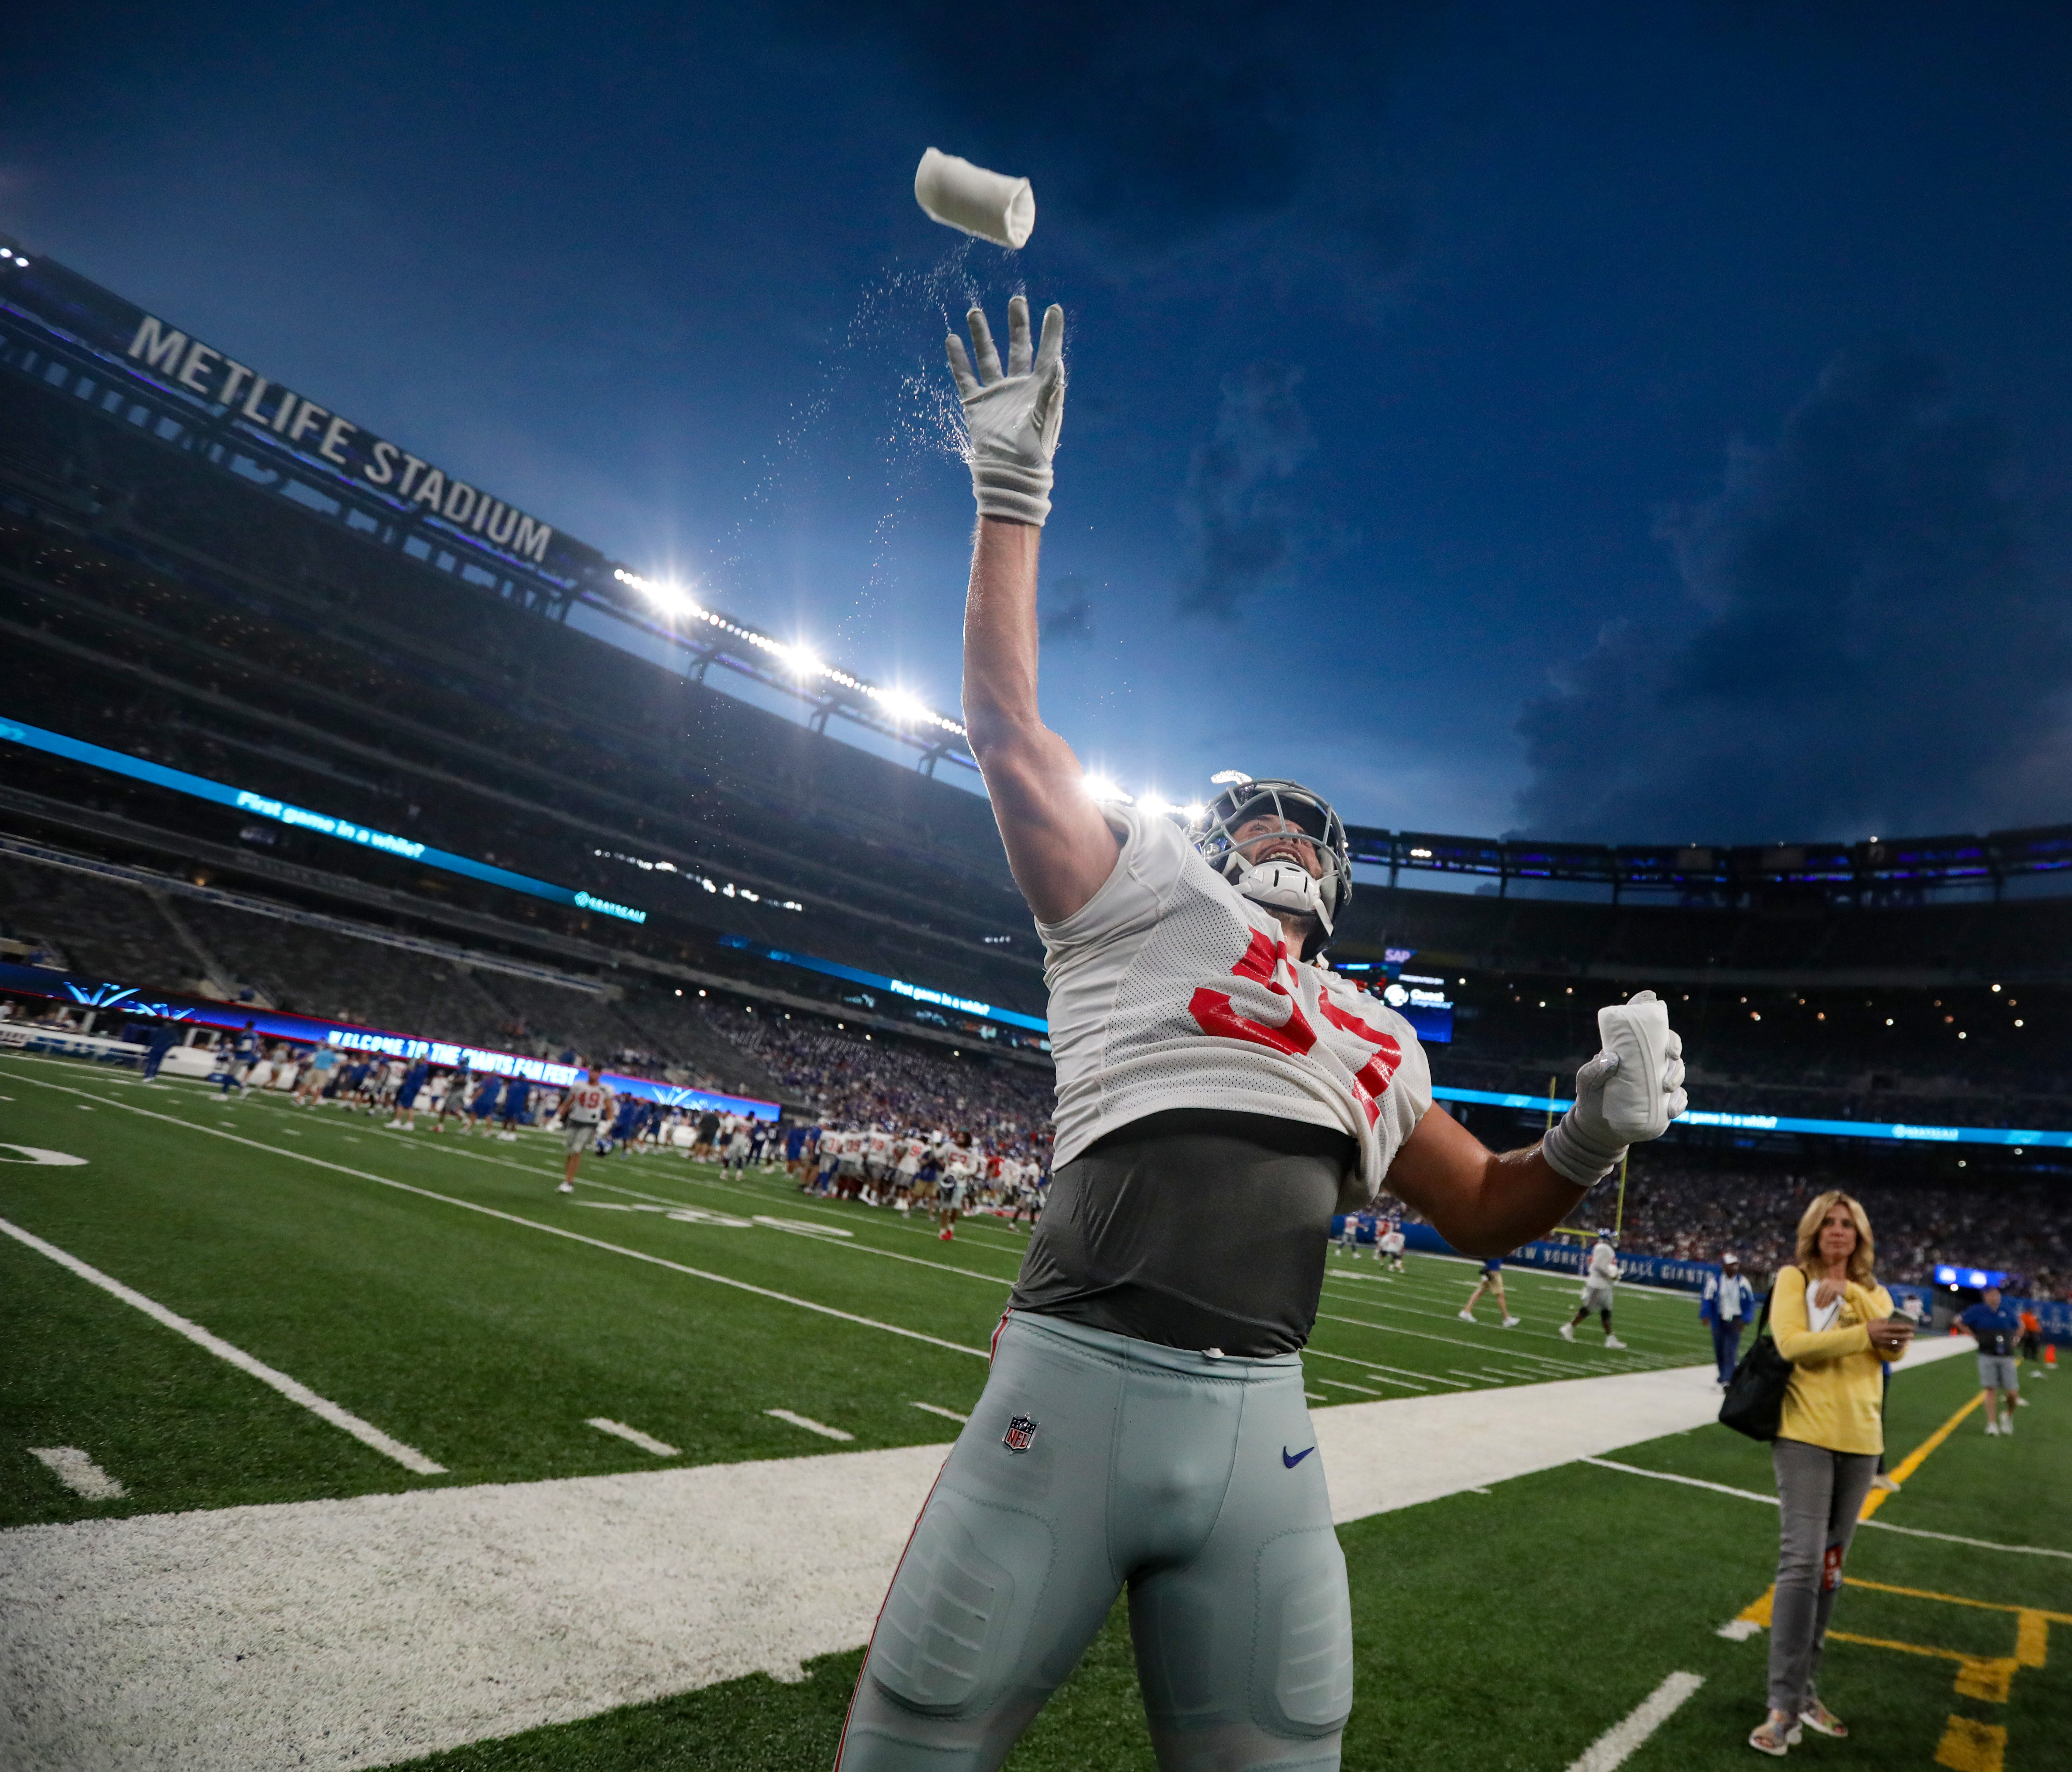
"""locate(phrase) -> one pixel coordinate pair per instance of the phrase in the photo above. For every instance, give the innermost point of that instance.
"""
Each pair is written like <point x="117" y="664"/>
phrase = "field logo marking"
<point x="33" y="1153"/>
<point x="78" y="1473"/>
<point x="1618" y="1744"/>
<point x="365" y="1432"/>
<point x="646" y="1442"/>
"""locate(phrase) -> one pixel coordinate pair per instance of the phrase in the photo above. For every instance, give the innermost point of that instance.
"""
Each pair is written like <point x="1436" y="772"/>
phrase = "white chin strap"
<point x="1283" y="885"/>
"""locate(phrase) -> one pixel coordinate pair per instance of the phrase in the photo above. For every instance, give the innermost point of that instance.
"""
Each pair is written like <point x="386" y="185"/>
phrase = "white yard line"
<point x="296" y="1391"/>
<point x="78" y="1473"/>
<point x="1450" y="1341"/>
<point x="810" y="1424"/>
<point x="1616" y="1745"/>
<point x="646" y="1442"/>
<point x="936" y="1408"/>
<point x="1875" y="1525"/>
<point x="534" y="1224"/>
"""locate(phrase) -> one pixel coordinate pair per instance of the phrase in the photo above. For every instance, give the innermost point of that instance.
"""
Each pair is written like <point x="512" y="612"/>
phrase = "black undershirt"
<point x="1192" y="1228"/>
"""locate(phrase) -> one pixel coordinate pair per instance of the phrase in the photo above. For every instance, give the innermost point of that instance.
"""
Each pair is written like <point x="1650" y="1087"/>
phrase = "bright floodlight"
<point x="1100" y="788"/>
<point x="1223" y="777"/>
<point x="1195" y="811"/>
<point x="801" y="662"/>
<point x="906" y="710"/>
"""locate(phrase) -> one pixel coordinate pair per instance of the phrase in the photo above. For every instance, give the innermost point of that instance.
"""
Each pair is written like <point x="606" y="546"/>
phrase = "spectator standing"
<point x="1996" y="1326"/>
<point x="1727" y="1304"/>
<point x="1835" y="1323"/>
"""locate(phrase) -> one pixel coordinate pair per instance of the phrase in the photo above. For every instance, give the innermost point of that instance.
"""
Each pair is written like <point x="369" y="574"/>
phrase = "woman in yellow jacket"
<point x="1834" y="1322"/>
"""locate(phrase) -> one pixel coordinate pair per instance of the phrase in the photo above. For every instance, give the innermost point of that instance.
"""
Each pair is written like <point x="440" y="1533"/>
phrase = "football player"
<point x="1220" y="1097"/>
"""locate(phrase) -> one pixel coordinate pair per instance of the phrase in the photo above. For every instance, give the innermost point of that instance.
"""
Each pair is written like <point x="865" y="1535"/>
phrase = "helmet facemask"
<point x="1280" y="882"/>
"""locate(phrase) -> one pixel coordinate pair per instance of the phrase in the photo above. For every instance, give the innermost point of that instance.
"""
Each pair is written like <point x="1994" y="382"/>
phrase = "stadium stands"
<point x="169" y="598"/>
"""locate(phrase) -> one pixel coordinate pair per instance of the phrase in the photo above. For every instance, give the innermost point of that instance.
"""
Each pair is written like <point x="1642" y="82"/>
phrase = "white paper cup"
<point x="988" y="204"/>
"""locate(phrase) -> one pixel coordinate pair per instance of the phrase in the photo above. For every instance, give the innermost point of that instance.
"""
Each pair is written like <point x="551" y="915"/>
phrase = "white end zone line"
<point x="1618" y="1744"/>
<point x="365" y="1432"/>
<point x="530" y="1224"/>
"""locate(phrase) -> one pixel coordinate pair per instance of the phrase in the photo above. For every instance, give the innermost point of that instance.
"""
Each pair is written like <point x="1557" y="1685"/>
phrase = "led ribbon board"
<point x="897" y="987"/>
<point x="1897" y="1131"/>
<point x="301" y="818"/>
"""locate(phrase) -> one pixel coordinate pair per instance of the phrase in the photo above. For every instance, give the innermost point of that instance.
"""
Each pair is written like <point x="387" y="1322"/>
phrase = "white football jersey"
<point x="587" y="1103"/>
<point x="1169" y="989"/>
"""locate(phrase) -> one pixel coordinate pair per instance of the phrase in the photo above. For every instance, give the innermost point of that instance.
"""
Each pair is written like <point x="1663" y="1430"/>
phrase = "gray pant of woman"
<point x="1095" y="1461"/>
<point x="1819" y="1495"/>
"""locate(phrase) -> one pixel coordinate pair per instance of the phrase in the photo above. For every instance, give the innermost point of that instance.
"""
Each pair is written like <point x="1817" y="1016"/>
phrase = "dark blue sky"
<point x="1635" y="423"/>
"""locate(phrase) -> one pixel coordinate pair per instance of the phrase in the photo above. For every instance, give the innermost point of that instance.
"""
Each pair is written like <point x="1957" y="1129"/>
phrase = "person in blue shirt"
<point x="484" y="1109"/>
<point x="164" y="1037"/>
<point x="515" y="1093"/>
<point x="406" y="1096"/>
<point x="1996" y="1327"/>
<point x="625" y="1125"/>
<point x="1490" y="1279"/>
<point x="1727" y="1304"/>
<point x="242" y="1056"/>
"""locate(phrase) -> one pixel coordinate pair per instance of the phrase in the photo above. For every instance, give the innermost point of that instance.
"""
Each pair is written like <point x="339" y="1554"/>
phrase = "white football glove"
<point x="1627" y="1094"/>
<point x="1012" y="421"/>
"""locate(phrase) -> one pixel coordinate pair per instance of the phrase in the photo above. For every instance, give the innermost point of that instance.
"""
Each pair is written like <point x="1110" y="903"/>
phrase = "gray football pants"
<point x="1191" y="1480"/>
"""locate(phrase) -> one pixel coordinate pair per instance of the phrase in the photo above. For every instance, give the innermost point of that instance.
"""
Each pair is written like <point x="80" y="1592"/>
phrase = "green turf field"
<point x="439" y="1288"/>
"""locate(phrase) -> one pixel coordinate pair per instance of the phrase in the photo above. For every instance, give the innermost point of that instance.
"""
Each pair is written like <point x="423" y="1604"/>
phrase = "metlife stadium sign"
<point x="219" y="379"/>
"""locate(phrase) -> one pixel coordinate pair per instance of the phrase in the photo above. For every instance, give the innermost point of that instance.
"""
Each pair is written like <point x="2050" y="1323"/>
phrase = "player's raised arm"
<point x="1058" y="845"/>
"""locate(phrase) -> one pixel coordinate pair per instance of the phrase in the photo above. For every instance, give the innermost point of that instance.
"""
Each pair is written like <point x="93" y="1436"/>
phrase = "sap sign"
<point x="1978" y="1279"/>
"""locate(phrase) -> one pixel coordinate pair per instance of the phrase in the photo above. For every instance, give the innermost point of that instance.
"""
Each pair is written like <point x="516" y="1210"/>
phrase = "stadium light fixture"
<point x="1105" y="792"/>
<point x="1196" y="812"/>
<point x="908" y="710"/>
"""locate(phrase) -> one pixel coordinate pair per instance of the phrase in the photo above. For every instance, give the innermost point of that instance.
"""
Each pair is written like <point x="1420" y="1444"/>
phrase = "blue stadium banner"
<point x="80" y="990"/>
<point x="301" y="818"/>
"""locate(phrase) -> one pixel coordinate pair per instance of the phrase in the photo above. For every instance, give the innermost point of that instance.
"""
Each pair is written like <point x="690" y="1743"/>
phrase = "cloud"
<point x="1158" y="122"/>
<point x="1874" y="648"/>
<point x="1066" y="616"/>
<point x="1244" y="538"/>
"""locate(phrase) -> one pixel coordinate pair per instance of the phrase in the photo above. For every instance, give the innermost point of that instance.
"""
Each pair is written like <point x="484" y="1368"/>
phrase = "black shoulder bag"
<point x="1754" y="1402"/>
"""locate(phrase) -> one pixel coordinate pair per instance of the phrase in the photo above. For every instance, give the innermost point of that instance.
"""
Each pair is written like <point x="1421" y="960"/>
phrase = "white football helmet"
<point x="1280" y="883"/>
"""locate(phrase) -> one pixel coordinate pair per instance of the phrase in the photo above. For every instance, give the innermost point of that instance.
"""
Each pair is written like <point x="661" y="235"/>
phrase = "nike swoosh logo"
<point x="1291" y="1460"/>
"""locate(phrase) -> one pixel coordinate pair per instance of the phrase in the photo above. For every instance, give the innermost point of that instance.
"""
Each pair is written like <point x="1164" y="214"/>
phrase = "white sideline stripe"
<point x="1688" y="1482"/>
<point x="534" y="1224"/>
<point x="536" y="1601"/>
<point x="78" y="1473"/>
<point x="1371" y="1366"/>
<point x="812" y="1426"/>
<point x="1616" y="1745"/>
<point x="296" y="1391"/>
<point x="1875" y="1525"/>
<point x="936" y="1408"/>
<point x="646" y="1442"/>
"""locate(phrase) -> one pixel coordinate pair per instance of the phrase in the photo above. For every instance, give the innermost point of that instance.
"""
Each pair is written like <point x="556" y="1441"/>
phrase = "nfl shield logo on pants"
<point x="1021" y="1434"/>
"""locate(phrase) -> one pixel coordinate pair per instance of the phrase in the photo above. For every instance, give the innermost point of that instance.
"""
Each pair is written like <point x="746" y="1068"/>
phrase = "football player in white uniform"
<point x="1220" y="1098"/>
<point x="1601" y="1274"/>
<point x="586" y="1109"/>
